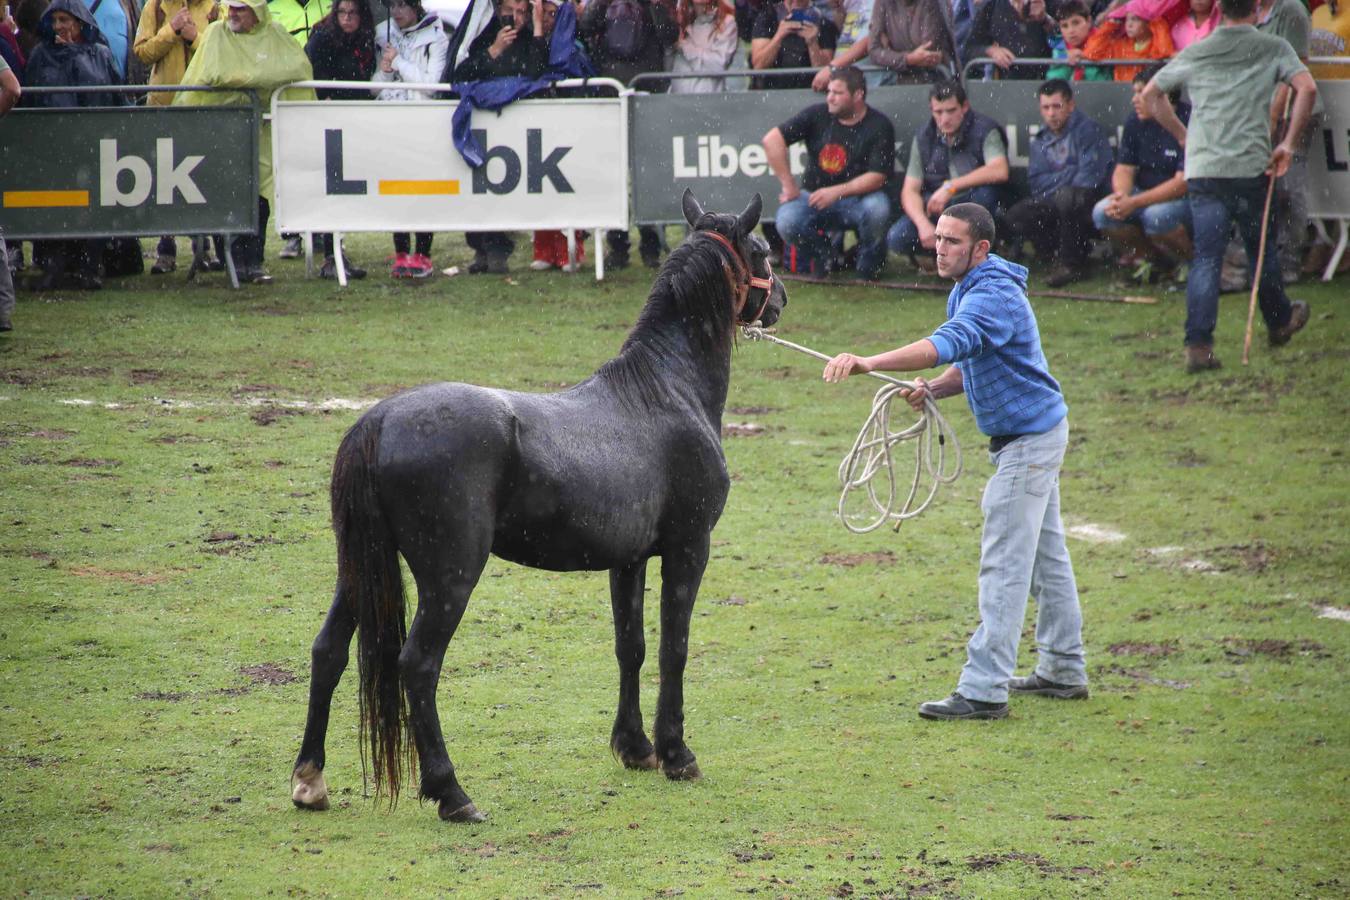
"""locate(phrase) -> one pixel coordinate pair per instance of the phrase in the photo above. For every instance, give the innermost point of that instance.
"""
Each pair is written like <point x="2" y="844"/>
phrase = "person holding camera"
<point x="791" y="34"/>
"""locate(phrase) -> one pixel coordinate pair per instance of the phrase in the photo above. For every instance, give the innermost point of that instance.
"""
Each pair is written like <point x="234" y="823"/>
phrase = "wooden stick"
<point x="1256" y="276"/>
<point x="946" y="288"/>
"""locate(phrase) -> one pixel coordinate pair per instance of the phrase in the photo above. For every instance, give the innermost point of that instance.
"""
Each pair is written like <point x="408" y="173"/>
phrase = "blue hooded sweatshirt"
<point x="991" y="331"/>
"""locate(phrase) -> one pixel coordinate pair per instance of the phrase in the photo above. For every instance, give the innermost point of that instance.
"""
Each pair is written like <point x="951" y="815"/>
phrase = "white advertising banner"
<point x="391" y="166"/>
<point x="1329" y="155"/>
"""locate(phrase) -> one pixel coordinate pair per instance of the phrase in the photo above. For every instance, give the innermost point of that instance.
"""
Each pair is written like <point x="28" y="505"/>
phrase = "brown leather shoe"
<point x="1298" y="317"/>
<point x="1201" y="358"/>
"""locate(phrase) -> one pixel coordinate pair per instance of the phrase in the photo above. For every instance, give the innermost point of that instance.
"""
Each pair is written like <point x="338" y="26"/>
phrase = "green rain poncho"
<point x="262" y="60"/>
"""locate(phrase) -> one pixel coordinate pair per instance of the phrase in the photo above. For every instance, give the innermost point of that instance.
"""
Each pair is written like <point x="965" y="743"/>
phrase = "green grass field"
<point x="166" y="560"/>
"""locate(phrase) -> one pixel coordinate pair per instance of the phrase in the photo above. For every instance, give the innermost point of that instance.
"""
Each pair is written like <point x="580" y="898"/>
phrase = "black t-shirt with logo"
<point x="838" y="153"/>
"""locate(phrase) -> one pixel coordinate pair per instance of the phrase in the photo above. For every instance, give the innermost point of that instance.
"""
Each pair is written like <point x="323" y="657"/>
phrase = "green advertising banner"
<point x="129" y="171"/>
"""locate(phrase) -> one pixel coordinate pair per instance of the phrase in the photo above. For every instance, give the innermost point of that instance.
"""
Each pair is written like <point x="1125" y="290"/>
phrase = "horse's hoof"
<point x="645" y="762"/>
<point x="684" y="773"/>
<point x="466" y="813"/>
<point x="310" y="791"/>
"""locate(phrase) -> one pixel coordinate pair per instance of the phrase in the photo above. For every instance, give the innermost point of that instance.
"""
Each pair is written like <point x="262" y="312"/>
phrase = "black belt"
<point x="999" y="441"/>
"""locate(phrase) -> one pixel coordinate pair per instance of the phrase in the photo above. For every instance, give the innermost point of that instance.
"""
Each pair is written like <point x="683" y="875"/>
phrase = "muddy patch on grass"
<point x="267" y="673"/>
<point x="22" y="377"/>
<point x="753" y="410"/>
<point x="742" y="429"/>
<point x="121" y="575"/>
<point x="165" y="696"/>
<point x="82" y="462"/>
<point x="1241" y="648"/>
<point x="1035" y="860"/>
<point x="231" y="543"/>
<point x="50" y="434"/>
<point x="1143" y="648"/>
<point x="850" y="560"/>
<point x="145" y="376"/>
<point x="1148" y="678"/>
<point x="270" y="414"/>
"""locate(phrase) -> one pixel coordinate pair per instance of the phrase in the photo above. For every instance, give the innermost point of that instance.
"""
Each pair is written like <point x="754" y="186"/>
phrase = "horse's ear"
<point x="747" y="220"/>
<point x="693" y="210"/>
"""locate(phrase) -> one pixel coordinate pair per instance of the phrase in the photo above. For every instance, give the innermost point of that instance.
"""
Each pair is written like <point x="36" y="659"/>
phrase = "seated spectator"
<point x="166" y="38"/>
<point x="1070" y="163"/>
<point x="1075" y="27"/>
<point x="1146" y="215"/>
<point x="248" y="52"/>
<point x="1201" y="19"/>
<point x="957" y="157"/>
<point x="853" y="19"/>
<point x="791" y="35"/>
<point x="707" y="45"/>
<point x="412" y="52"/>
<point x="72" y="52"/>
<point x="850" y="155"/>
<point x="623" y="38"/>
<point x="341" y="47"/>
<point x="1133" y="38"/>
<point x="913" y="39"/>
<point x="1005" y="30"/>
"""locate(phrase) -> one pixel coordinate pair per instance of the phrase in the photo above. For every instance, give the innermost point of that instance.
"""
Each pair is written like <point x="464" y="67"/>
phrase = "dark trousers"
<point x="1058" y="226"/>
<point x="247" y="249"/>
<point x="649" y="241"/>
<point x="74" y="257"/>
<point x="1215" y="204"/>
<point x="495" y="243"/>
<point x="403" y="245"/>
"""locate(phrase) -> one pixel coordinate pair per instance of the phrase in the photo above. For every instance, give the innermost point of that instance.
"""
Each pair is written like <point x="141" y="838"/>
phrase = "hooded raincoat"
<point x="87" y="63"/>
<point x="168" y="54"/>
<point x="263" y="60"/>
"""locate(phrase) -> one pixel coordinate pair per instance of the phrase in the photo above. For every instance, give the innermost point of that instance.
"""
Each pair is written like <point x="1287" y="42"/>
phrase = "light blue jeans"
<point x="1022" y="552"/>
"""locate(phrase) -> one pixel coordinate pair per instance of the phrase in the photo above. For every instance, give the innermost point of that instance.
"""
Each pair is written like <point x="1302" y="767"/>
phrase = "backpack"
<point x="624" y="23"/>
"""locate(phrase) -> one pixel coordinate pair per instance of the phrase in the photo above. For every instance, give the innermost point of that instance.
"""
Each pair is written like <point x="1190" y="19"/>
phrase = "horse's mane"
<point x="692" y="287"/>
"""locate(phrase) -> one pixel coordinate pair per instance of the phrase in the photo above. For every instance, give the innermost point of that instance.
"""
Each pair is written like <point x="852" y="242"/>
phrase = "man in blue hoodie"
<point x="993" y="347"/>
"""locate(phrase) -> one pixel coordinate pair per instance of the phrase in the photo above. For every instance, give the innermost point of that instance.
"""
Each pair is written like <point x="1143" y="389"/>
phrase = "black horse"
<point x="625" y="466"/>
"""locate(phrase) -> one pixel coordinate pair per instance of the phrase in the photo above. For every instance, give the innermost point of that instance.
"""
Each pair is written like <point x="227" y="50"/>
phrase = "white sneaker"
<point x="292" y="249"/>
<point x="541" y="265"/>
<point x="571" y="267"/>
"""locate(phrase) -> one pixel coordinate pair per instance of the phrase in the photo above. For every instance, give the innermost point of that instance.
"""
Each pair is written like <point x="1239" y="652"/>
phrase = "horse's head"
<point x="760" y="295"/>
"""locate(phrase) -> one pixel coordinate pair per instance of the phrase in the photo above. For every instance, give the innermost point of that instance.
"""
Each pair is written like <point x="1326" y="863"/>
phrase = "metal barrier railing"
<point x="1045" y="63"/>
<point x="769" y="74"/>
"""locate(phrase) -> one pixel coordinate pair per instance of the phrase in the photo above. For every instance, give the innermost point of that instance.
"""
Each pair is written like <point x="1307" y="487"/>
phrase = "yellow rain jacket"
<point x="167" y="54"/>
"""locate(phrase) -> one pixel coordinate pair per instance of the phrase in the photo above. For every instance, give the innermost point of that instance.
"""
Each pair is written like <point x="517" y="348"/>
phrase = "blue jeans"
<point x="1215" y="203"/>
<point x="1159" y="218"/>
<point x="1022" y="552"/>
<point x="904" y="234"/>
<point x="867" y="215"/>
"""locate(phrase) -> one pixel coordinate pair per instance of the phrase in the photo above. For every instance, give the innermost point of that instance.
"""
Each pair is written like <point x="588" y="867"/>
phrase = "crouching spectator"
<point x="72" y="52"/>
<point x="1068" y="173"/>
<point x="1146" y="215"/>
<point x="850" y="155"/>
<point x="957" y="157"/>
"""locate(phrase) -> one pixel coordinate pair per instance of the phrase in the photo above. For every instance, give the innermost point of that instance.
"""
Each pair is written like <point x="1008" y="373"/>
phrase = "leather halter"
<point x="745" y="280"/>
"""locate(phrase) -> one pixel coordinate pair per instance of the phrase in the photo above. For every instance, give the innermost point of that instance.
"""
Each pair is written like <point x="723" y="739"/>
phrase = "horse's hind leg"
<point x="328" y="659"/>
<point x="681" y="573"/>
<point x="442" y="595"/>
<point x="628" y="741"/>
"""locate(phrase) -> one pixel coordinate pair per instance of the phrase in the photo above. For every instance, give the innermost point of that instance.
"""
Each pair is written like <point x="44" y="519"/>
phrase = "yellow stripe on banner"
<point x="419" y="187"/>
<point x="34" y="199"/>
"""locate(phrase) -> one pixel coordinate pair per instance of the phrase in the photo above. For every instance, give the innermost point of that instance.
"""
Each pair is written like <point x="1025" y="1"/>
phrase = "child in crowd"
<point x="1075" y="26"/>
<point x="1135" y="38"/>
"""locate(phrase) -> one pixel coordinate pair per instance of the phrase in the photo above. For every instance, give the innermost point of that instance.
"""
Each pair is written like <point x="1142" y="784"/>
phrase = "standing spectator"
<point x="166" y="38"/>
<point x="791" y="34"/>
<point x="624" y="38"/>
<point x="27" y="19"/>
<point x="342" y="48"/>
<point x="73" y="52"/>
<point x="993" y="351"/>
<point x="851" y="46"/>
<point x="117" y="21"/>
<point x="9" y="95"/>
<point x="913" y="39"/>
<point x="1005" y="30"/>
<point x="1201" y="19"/>
<point x="1075" y="28"/>
<point x="248" y="52"/>
<point x="1068" y="173"/>
<point x="707" y="45"/>
<point x="1132" y="37"/>
<point x="1289" y="19"/>
<point x="1145" y="214"/>
<point x="958" y="156"/>
<point x="10" y="51"/>
<point x="299" y="17"/>
<point x="1231" y="78"/>
<point x="413" y="52"/>
<point x="850" y="156"/>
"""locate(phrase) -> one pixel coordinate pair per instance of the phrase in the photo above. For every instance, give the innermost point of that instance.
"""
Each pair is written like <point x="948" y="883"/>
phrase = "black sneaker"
<point x="1035" y="684"/>
<point x="650" y="258"/>
<point x="958" y="707"/>
<point x="616" y="261"/>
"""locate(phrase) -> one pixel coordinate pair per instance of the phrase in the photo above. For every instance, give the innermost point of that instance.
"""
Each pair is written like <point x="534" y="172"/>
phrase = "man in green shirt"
<point x="1231" y="77"/>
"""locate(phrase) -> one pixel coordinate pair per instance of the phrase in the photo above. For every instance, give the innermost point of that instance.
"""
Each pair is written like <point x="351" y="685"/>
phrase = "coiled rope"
<point x="872" y="450"/>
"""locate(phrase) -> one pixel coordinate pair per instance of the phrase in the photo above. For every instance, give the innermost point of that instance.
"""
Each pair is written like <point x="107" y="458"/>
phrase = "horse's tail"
<point x="369" y="575"/>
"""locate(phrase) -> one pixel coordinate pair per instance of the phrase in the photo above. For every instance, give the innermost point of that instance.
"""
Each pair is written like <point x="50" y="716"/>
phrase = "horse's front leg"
<point x="681" y="572"/>
<point x="628" y="740"/>
<point x="328" y="660"/>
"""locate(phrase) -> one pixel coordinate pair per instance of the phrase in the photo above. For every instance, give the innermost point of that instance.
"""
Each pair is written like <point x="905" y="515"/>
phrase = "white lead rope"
<point x="871" y="451"/>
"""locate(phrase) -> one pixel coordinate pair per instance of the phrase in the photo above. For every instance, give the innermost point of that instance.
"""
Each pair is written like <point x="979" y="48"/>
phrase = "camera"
<point x="808" y="16"/>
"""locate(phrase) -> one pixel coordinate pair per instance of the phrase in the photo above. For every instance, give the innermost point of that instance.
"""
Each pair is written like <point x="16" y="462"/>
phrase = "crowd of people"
<point x="1138" y="196"/>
